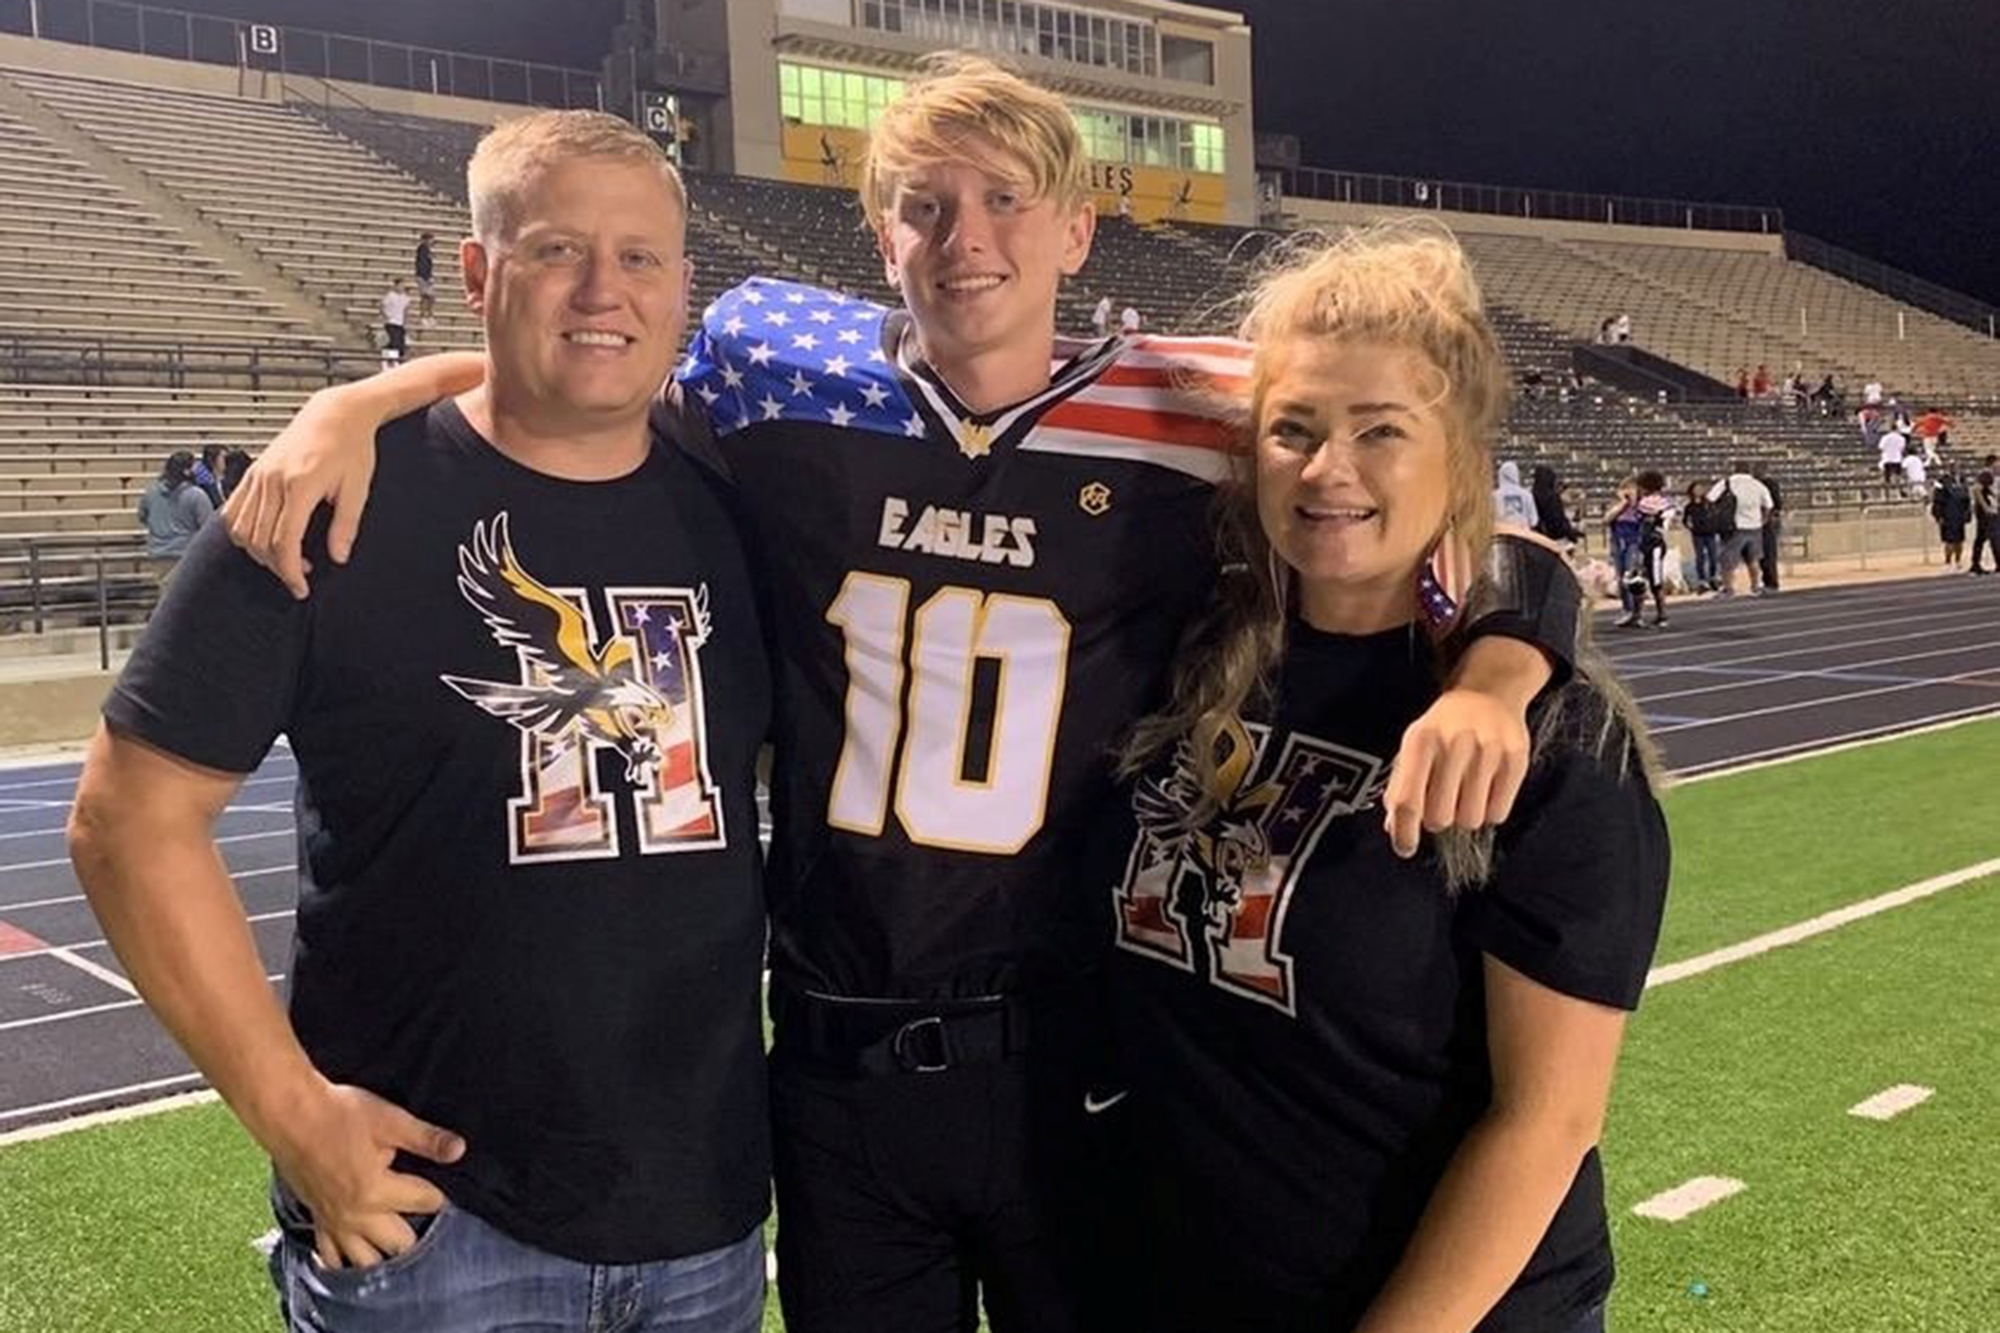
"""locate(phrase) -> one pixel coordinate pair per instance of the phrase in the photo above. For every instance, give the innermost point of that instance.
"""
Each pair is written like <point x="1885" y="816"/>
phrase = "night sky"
<point x="1874" y="125"/>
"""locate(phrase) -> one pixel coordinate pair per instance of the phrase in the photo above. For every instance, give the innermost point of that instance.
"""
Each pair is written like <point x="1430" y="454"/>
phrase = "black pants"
<point x="1987" y="536"/>
<point x="908" y="1191"/>
<point x="1771" y="554"/>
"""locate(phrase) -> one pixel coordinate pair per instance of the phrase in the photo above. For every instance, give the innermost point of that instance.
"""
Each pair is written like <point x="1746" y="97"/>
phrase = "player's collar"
<point x="977" y="434"/>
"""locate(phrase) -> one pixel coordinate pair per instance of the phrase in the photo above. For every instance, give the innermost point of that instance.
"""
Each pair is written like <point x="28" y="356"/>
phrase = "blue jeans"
<point x="465" y="1276"/>
<point x="1707" y="560"/>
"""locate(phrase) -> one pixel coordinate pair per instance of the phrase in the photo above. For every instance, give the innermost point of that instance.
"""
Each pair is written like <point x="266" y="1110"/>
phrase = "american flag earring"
<point x="1441" y="583"/>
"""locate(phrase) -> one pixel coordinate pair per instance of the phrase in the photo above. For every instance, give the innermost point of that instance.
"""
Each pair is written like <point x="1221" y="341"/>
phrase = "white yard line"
<point x="1822" y="701"/>
<point x="1892" y="1102"/>
<point x="1825" y="672"/>
<point x="1685" y="1200"/>
<point x="1821" y="924"/>
<point x="84" y="965"/>
<point x="220" y="842"/>
<point x="58" y="950"/>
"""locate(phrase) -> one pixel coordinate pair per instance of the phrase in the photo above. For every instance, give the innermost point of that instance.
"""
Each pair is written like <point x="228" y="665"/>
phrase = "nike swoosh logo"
<point x="1095" y="1105"/>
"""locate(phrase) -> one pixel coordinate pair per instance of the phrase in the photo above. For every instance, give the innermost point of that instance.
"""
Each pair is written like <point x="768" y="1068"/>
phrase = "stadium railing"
<point x="42" y="358"/>
<point x="281" y="48"/>
<point x="1417" y="193"/>
<point x="96" y="579"/>
<point x="1925" y="295"/>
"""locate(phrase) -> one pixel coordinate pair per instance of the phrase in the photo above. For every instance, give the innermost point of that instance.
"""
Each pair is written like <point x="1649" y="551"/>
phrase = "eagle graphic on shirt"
<point x="635" y="692"/>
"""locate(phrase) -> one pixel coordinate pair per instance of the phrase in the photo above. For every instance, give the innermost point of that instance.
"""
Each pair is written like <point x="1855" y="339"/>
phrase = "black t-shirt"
<point x="1303" y="1012"/>
<point x="526" y="718"/>
<point x="426" y="266"/>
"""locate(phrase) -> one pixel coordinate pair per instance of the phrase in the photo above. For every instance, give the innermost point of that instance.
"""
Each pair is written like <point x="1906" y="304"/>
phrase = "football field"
<point x="1865" y="887"/>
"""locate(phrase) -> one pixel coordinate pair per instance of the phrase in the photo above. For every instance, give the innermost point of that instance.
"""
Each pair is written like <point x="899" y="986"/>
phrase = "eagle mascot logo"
<point x="581" y="694"/>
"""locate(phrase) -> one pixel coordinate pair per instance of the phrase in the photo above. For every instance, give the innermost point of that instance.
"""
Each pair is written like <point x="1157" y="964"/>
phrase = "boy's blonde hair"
<point x="515" y="152"/>
<point x="961" y="97"/>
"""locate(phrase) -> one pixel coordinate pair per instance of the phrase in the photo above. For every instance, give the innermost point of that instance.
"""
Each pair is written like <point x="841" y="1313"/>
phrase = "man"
<point x="1986" y="514"/>
<point x="1773" y="525"/>
<point x="1100" y="316"/>
<point x="426" y="270"/>
<point x="1128" y="321"/>
<point x="1890" y="446"/>
<point x="980" y="555"/>
<point x="395" y="323"/>
<point x="522" y="1081"/>
<point x="1744" y="546"/>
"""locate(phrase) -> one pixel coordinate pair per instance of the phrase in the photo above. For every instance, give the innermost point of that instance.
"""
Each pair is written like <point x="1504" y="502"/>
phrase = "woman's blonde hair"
<point x="1406" y="286"/>
<point x="958" y="98"/>
<point x="514" y="152"/>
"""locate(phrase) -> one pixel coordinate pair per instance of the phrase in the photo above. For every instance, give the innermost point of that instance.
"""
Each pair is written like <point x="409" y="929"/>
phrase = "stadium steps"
<point x="214" y="247"/>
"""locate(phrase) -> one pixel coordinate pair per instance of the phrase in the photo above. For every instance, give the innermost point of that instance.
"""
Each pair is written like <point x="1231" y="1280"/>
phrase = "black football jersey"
<point x="967" y="612"/>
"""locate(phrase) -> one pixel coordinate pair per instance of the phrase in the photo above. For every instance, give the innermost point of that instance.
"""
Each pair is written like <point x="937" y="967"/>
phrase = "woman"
<point x="1643" y="519"/>
<point x="1368" y="1090"/>
<point x="172" y="510"/>
<point x="1623" y="524"/>
<point x="1699" y="516"/>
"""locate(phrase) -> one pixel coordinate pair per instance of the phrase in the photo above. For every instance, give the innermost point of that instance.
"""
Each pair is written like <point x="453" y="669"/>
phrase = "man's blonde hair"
<point x="515" y="152"/>
<point x="960" y="97"/>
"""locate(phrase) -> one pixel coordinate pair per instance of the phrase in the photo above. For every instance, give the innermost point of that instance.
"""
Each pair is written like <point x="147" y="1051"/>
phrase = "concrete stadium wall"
<point x="58" y="708"/>
<point x="1547" y="229"/>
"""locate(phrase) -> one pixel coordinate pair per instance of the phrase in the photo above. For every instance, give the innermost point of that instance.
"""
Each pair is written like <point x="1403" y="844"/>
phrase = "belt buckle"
<point x="928" y="1028"/>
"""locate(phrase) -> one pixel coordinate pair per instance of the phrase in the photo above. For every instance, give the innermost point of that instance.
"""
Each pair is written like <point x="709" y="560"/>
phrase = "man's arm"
<point x="326" y="454"/>
<point x="140" y="835"/>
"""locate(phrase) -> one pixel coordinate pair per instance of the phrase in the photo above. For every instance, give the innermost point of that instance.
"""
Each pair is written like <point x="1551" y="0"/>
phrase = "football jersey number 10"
<point x="939" y="648"/>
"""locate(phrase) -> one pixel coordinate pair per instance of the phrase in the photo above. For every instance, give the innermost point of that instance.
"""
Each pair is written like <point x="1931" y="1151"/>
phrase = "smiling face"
<point x="1353" y="476"/>
<point x="584" y="294"/>
<point x="978" y="258"/>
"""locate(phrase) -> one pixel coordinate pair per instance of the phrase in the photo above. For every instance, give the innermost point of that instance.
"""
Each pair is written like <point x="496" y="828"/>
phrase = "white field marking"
<point x="14" y="805"/>
<point x="134" y="1112"/>
<point x="1666" y="669"/>
<point x="63" y="1016"/>
<point x="1821" y="924"/>
<point x="1821" y="673"/>
<point x="58" y="950"/>
<point x="42" y="756"/>
<point x="1865" y="623"/>
<point x="1685" y="1200"/>
<point x="98" y="970"/>
<point x="220" y="842"/>
<point x="70" y="781"/>
<point x="270" y="808"/>
<point x="1954" y="679"/>
<point x="1892" y="1102"/>
<point x="68" y="898"/>
<point x="1852" y="740"/>
<point x="1808" y="608"/>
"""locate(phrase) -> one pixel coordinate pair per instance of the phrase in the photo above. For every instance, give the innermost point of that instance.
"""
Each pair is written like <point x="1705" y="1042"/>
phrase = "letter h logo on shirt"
<point x="636" y="693"/>
<point x="1238" y="870"/>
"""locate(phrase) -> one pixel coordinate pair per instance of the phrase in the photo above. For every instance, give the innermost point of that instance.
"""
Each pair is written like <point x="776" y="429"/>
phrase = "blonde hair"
<point x="514" y="152"/>
<point x="957" y="97"/>
<point x="1406" y="286"/>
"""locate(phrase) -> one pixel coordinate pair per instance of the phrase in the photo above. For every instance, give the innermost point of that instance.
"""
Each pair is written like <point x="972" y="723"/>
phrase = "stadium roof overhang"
<point x="882" y="51"/>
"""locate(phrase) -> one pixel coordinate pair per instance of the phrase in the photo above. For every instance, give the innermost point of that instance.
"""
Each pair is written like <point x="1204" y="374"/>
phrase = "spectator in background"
<point x="1934" y="429"/>
<point x="1740" y="520"/>
<point x="395" y="323"/>
<point x="1698" y="516"/>
<point x="1512" y="502"/>
<point x="207" y="473"/>
<point x="1621" y="328"/>
<point x="1551" y="516"/>
<point x="1773" y="525"/>
<point x="1643" y="515"/>
<point x="1951" y="506"/>
<point x="234" y="464"/>
<point x="1827" y="395"/>
<point x="1605" y="336"/>
<point x="1871" y="392"/>
<point x="1890" y="447"/>
<point x="1916" y="475"/>
<point x="1743" y="382"/>
<point x="1128" y="321"/>
<point x="426" y="271"/>
<point x="1760" y="383"/>
<point x="1100" y="316"/>
<point x="1985" y="516"/>
<point x="172" y="510"/>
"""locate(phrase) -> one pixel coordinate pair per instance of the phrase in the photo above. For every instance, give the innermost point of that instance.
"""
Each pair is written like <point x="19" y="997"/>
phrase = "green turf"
<point x="1748" y="1072"/>
<point x="1847" y="1227"/>
<point x="1762" y="849"/>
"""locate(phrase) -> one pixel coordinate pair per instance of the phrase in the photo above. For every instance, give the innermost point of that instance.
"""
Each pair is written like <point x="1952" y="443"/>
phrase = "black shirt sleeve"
<point x="214" y="678"/>
<point x="1580" y="875"/>
<point x="1527" y="591"/>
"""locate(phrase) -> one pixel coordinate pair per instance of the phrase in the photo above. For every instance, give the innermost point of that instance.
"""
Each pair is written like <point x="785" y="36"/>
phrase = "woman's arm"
<point x="1552" y="1059"/>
